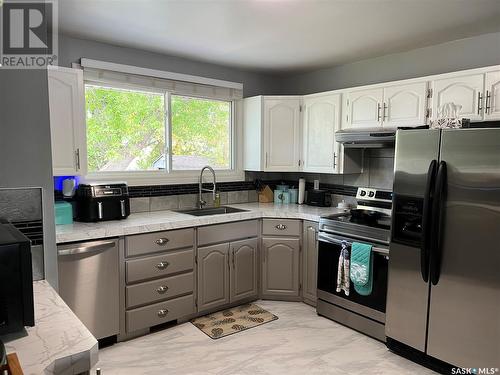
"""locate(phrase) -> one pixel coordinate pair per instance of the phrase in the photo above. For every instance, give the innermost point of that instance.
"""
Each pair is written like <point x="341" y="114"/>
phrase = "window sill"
<point x="158" y="178"/>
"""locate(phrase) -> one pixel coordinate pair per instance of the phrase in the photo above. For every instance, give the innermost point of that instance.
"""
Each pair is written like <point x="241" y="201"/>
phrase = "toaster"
<point x="320" y="198"/>
<point x="100" y="202"/>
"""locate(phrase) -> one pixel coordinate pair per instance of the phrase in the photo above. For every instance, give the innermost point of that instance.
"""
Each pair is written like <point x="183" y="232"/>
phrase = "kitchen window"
<point x="149" y="133"/>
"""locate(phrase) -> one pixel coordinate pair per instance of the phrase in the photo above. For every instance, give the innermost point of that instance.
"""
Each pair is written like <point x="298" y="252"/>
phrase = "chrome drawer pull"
<point x="162" y="265"/>
<point x="162" y="313"/>
<point x="280" y="226"/>
<point x="161" y="241"/>
<point x="162" y="289"/>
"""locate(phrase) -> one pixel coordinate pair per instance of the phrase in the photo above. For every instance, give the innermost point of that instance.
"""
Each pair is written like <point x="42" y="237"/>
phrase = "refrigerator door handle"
<point x="437" y="227"/>
<point x="426" y="221"/>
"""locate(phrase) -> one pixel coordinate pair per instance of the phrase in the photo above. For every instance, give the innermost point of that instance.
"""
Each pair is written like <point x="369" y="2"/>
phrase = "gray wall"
<point x="475" y="52"/>
<point x="254" y="83"/>
<point x="25" y="154"/>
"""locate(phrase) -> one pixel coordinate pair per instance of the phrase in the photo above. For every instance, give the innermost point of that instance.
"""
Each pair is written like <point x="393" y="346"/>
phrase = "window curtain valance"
<point x="179" y="84"/>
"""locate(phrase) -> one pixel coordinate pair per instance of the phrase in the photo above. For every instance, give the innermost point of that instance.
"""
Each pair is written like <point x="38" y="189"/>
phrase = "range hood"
<point x="366" y="138"/>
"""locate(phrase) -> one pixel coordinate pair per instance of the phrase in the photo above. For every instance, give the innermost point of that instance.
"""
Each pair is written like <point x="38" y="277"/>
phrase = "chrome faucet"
<point x="201" y="202"/>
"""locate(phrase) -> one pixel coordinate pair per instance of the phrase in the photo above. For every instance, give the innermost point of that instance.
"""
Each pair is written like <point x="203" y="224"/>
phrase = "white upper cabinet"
<point x="321" y="121"/>
<point x="405" y="105"/>
<point x="67" y="121"/>
<point x="492" y="96"/>
<point x="466" y="90"/>
<point x="387" y="106"/>
<point x="364" y="108"/>
<point x="281" y="134"/>
<point x="271" y="133"/>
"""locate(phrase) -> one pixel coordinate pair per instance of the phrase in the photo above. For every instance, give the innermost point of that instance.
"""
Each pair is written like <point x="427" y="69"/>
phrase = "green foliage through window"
<point x="201" y="133"/>
<point x="126" y="131"/>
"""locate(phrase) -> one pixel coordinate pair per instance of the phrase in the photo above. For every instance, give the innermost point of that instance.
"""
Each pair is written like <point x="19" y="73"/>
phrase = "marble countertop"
<point x="59" y="343"/>
<point x="165" y="220"/>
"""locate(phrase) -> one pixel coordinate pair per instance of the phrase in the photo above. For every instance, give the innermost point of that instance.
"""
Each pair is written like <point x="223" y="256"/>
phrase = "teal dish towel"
<point x="361" y="268"/>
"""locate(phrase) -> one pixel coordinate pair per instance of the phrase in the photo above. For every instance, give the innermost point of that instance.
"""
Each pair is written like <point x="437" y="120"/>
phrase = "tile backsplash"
<point x="378" y="172"/>
<point x="186" y="201"/>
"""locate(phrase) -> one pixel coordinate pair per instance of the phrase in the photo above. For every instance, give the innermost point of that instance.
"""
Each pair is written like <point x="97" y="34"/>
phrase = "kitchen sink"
<point x="211" y="211"/>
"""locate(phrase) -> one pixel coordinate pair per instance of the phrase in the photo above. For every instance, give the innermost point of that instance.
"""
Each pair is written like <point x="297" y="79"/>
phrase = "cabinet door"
<point x="405" y="105"/>
<point x="243" y="269"/>
<point x="492" y="97"/>
<point x="310" y="261"/>
<point x="67" y="121"/>
<point x="281" y="135"/>
<point x="364" y="108"/>
<point x="321" y="120"/>
<point x="280" y="272"/>
<point x="465" y="91"/>
<point x="213" y="276"/>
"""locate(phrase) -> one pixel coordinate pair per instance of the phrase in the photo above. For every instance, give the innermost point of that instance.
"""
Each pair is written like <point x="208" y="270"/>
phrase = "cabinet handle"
<point x="280" y="226"/>
<point x="385" y="112"/>
<point x="162" y="289"/>
<point x="488" y="101"/>
<point x="162" y="265"/>
<point x="162" y="313"/>
<point x="379" y="107"/>
<point x="161" y="241"/>
<point x="77" y="159"/>
<point x="334" y="160"/>
<point x="479" y="101"/>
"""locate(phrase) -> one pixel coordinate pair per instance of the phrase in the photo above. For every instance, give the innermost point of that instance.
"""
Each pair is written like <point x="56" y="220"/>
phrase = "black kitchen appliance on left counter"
<point x="16" y="281"/>
<point x="101" y="201"/>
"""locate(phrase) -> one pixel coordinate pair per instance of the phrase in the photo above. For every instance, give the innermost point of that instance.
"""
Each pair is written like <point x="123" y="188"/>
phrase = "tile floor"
<point x="299" y="342"/>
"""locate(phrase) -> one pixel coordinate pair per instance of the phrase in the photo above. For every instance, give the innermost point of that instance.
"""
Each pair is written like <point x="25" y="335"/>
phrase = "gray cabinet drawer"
<point x="148" y="316"/>
<point x="158" y="241"/>
<point x="227" y="232"/>
<point x="281" y="227"/>
<point x="159" y="265"/>
<point x="157" y="290"/>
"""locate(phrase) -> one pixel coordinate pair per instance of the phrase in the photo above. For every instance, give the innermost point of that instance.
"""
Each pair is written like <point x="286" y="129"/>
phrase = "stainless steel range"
<point x="369" y="223"/>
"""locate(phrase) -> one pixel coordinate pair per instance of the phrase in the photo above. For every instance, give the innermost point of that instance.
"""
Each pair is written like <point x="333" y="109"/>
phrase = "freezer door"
<point x="464" y="315"/>
<point x="407" y="294"/>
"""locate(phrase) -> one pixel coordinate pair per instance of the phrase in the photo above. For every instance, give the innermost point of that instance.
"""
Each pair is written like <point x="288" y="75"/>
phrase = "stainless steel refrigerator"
<point x="443" y="301"/>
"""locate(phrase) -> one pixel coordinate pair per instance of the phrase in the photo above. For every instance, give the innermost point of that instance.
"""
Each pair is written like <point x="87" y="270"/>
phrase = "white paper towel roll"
<point x="302" y="190"/>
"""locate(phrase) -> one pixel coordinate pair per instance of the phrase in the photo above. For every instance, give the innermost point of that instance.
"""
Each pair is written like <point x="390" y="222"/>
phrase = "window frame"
<point x="169" y="176"/>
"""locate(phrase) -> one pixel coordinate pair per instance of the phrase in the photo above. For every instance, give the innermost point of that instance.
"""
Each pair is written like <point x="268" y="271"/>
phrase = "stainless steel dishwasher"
<point x="89" y="284"/>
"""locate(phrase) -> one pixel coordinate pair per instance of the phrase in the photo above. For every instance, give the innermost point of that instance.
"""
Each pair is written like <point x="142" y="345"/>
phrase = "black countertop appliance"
<point x="16" y="281"/>
<point x="100" y="202"/>
<point x="320" y="198"/>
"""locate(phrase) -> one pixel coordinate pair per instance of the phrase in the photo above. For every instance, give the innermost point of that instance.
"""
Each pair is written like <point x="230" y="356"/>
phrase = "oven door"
<point x="373" y="305"/>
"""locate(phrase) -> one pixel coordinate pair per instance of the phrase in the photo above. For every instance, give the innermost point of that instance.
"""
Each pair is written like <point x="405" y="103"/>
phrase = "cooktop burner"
<point x="370" y="220"/>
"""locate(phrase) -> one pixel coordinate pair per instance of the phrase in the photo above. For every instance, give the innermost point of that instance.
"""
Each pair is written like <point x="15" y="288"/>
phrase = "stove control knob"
<point x="371" y="194"/>
<point x="362" y="193"/>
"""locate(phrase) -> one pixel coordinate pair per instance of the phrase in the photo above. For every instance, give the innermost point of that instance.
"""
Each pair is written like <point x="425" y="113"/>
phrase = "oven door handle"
<point x="324" y="237"/>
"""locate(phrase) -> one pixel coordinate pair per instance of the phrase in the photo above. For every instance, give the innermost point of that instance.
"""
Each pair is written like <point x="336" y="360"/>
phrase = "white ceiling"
<point x="278" y="35"/>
